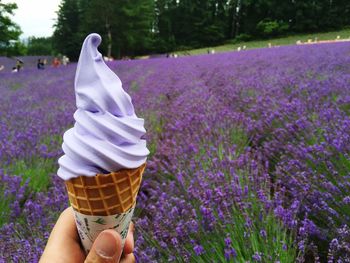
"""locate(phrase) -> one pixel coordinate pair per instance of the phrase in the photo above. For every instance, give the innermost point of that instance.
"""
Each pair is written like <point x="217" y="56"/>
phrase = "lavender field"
<point x="249" y="156"/>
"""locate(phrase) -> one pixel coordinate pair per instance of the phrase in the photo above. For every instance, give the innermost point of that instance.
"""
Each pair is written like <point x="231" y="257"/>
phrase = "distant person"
<point x="65" y="60"/>
<point x="19" y="65"/>
<point x="107" y="59"/>
<point x="40" y="64"/>
<point x="56" y="62"/>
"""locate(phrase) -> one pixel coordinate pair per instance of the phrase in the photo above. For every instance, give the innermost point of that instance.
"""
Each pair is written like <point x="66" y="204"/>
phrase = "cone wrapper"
<point x="104" y="201"/>
<point x="89" y="227"/>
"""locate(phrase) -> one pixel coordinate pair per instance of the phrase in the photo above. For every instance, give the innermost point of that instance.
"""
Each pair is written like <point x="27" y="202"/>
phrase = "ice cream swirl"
<point x="107" y="133"/>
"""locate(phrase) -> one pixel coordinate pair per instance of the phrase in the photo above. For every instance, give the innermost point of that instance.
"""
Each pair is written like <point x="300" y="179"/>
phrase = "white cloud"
<point x="35" y="17"/>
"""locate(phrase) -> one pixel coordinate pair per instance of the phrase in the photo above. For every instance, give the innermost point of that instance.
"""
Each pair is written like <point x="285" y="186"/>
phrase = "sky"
<point x="35" y="17"/>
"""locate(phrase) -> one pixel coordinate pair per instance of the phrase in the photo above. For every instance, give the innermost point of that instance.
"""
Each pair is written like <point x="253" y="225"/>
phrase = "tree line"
<point x="138" y="27"/>
<point x="157" y="26"/>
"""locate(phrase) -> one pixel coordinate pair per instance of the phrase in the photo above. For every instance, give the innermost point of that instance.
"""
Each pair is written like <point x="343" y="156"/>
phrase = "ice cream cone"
<point x="104" y="201"/>
<point x="107" y="136"/>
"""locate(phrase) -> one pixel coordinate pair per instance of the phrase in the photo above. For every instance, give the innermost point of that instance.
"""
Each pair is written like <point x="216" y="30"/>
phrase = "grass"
<point x="5" y="209"/>
<point x="155" y="125"/>
<point x="281" y="41"/>
<point x="346" y="108"/>
<point x="134" y="86"/>
<point x="37" y="171"/>
<point x="16" y="86"/>
<point x="52" y="142"/>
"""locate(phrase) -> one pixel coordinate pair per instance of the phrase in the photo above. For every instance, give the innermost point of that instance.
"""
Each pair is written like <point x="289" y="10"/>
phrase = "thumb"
<point x="107" y="248"/>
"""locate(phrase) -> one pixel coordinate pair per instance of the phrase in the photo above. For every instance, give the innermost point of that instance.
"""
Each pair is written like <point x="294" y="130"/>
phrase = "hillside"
<point x="281" y="41"/>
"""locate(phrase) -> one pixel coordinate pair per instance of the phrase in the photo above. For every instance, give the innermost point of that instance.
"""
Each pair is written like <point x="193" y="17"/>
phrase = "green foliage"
<point x="126" y="26"/>
<point x="155" y="124"/>
<point x="37" y="46"/>
<point x="264" y="236"/>
<point x="15" y="86"/>
<point x="67" y="38"/>
<point x="15" y="48"/>
<point x="346" y="108"/>
<point x="191" y="23"/>
<point x="9" y="31"/>
<point x="5" y="209"/>
<point x="36" y="170"/>
<point x="268" y="28"/>
<point x="243" y="37"/>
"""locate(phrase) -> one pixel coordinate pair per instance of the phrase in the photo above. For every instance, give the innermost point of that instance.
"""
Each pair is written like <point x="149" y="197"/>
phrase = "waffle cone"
<point x="105" y="194"/>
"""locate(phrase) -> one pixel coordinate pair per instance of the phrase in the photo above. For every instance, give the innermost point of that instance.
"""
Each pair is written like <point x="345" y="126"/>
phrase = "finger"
<point x="63" y="244"/>
<point x="129" y="258"/>
<point x="129" y="241"/>
<point x="107" y="248"/>
<point x="65" y="225"/>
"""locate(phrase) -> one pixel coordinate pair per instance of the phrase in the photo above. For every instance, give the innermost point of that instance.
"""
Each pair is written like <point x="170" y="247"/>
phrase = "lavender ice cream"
<point x="107" y="133"/>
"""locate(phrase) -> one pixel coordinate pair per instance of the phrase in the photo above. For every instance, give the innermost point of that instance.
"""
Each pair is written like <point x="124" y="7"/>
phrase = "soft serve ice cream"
<point x="107" y="134"/>
<point x="104" y="153"/>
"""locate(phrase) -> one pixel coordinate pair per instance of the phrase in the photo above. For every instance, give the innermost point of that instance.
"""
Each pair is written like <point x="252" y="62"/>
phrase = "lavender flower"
<point x="238" y="141"/>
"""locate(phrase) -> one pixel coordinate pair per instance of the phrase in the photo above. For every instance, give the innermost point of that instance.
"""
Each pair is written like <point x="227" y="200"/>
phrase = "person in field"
<point x="56" y="62"/>
<point x="40" y="64"/>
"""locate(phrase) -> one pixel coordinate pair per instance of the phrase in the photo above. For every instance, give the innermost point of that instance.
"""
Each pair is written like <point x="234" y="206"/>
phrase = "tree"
<point x="188" y="23"/>
<point x="67" y="37"/>
<point x="210" y="26"/>
<point x="163" y="25"/>
<point x="9" y="31"/>
<point x="125" y="25"/>
<point x="37" y="46"/>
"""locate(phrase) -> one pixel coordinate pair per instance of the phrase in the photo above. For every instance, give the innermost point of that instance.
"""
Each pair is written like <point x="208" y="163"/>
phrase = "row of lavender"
<point x="249" y="156"/>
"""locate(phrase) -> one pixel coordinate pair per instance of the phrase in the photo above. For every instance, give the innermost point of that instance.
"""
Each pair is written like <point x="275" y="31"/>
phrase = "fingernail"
<point x="106" y="245"/>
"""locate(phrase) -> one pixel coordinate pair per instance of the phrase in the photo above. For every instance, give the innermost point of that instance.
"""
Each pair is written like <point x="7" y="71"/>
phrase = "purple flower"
<point x="228" y="241"/>
<point x="257" y="257"/>
<point x="346" y="200"/>
<point x="263" y="233"/>
<point x="174" y="241"/>
<point x="230" y="253"/>
<point x="198" y="249"/>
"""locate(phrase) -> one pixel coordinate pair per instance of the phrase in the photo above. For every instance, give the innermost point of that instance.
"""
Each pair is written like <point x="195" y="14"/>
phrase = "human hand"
<point x="64" y="244"/>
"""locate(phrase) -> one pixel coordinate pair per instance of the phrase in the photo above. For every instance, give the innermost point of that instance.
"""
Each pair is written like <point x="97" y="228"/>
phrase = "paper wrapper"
<point x="89" y="227"/>
<point x="104" y="201"/>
